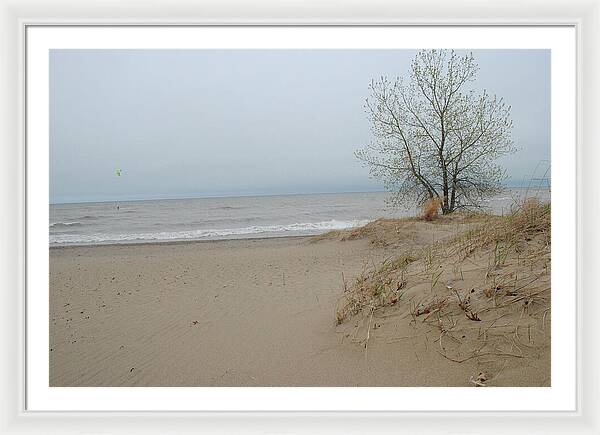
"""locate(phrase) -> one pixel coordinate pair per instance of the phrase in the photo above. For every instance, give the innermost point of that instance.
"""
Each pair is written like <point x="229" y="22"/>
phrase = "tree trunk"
<point x="445" y="206"/>
<point x="453" y="195"/>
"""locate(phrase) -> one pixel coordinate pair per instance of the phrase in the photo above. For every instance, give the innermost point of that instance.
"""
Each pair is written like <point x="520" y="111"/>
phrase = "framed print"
<point x="245" y="222"/>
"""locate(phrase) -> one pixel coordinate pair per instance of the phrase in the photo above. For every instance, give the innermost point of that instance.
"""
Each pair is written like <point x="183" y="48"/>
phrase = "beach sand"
<point x="244" y="313"/>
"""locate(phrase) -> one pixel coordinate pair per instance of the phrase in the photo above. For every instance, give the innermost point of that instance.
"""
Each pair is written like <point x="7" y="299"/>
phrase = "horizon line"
<point x="216" y="196"/>
<point x="235" y="195"/>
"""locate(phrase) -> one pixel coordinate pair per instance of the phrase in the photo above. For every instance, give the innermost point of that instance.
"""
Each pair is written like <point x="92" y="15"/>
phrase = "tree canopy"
<point x="435" y="136"/>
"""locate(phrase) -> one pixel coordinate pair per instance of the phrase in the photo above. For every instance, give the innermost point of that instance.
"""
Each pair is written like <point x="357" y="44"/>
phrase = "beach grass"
<point x="494" y="267"/>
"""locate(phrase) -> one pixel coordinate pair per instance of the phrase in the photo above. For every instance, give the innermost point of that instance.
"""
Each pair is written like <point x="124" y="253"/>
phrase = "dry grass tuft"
<point x="430" y="209"/>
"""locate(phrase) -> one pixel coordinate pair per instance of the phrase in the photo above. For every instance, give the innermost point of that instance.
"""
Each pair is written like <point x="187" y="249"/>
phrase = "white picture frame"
<point x="16" y="16"/>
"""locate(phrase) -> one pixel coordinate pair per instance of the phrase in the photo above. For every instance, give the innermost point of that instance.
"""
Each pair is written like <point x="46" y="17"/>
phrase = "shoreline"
<point x="152" y="229"/>
<point x="180" y="241"/>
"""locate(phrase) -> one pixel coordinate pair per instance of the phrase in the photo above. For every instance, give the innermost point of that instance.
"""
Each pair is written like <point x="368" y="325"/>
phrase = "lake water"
<point x="231" y="217"/>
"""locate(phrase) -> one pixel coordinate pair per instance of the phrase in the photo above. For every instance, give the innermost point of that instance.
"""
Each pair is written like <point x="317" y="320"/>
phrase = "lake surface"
<point x="230" y="217"/>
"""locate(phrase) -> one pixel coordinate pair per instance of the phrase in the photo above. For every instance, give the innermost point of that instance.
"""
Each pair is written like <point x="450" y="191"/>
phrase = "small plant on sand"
<point x="380" y="286"/>
<point x="402" y="261"/>
<point x="435" y="277"/>
<point x="434" y="306"/>
<point x="473" y="316"/>
<point x="501" y="251"/>
<point x="463" y="302"/>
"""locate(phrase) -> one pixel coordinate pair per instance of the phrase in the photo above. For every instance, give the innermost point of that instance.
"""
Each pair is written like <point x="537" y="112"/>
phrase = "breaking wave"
<point x="245" y="232"/>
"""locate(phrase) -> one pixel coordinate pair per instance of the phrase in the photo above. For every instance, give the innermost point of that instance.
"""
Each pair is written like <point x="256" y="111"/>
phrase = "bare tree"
<point x="436" y="137"/>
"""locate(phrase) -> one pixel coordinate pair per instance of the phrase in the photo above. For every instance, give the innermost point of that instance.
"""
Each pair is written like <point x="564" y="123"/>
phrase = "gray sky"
<point x="185" y="123"/>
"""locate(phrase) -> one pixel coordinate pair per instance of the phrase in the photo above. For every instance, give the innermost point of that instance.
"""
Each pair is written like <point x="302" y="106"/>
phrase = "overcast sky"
<point x="184" y="123"/>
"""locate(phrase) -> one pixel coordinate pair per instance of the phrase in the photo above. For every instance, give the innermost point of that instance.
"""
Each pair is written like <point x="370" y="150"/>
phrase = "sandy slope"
<point x="240" y="313"/>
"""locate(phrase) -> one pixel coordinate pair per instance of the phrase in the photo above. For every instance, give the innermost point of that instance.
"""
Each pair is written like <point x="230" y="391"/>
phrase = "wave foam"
<point x="274" y="230"/>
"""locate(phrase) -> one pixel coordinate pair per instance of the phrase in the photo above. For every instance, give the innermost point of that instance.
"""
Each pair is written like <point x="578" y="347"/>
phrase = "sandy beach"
<point x="262" y="312"/>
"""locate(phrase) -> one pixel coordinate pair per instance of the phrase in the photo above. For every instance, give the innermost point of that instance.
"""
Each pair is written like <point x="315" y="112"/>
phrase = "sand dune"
<point x="252" y="313"/>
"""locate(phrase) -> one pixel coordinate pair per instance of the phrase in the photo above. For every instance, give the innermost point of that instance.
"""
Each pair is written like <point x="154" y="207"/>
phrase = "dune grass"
<point x="485" y="292"/>
<point x="521" y="235"/>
